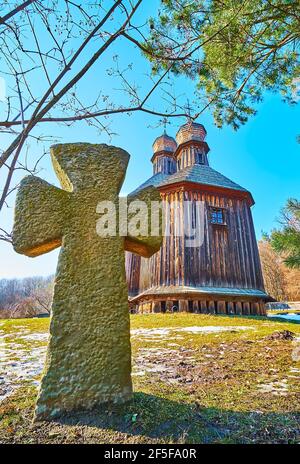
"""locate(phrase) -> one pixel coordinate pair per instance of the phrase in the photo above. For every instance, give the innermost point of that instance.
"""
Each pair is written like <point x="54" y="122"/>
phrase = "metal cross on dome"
<point x="164" y="122"/>
<point x="188" y="110"/>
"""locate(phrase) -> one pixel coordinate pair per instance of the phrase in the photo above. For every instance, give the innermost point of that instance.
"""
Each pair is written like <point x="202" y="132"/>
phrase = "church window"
<point x="199" y="159"/>
<point x="217" y="216"/>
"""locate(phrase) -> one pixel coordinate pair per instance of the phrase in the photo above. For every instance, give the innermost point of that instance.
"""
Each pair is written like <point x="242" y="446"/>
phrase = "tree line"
<point x="25" y="297"/>
<point x="280" y="255"/>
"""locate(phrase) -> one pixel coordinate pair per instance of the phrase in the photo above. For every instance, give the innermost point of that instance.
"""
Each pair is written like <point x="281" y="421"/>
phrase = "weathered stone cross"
<point x="89" y="356"/>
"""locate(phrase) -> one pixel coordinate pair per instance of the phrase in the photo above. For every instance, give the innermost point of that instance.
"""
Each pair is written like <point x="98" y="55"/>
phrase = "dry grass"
<point x="234" y="386"/>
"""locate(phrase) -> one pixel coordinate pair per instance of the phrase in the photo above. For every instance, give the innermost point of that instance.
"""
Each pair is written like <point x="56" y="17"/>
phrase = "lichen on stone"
<point x="89" y="355"/>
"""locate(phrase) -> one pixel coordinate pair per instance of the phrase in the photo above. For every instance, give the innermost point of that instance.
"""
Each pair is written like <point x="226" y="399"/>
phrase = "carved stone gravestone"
<point x="89" y="355"/>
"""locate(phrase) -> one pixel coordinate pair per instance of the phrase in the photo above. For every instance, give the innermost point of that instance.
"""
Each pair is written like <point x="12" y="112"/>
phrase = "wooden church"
<point x="223" y="274"/>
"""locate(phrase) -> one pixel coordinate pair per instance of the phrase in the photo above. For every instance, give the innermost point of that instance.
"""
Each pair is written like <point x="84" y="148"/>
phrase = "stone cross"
<point x="89" y="355"/>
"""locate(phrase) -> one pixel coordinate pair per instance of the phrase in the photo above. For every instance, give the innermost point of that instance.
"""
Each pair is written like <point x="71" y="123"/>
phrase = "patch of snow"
<point x="41" y="337"/>
<point x="19" y="363"/>
<point x="213" y="329"/>
<point x="279" y="388"/>
<point x="295" y="369"/>
<point x="151" y="332"/>
<point x="164" y="332"/>
<point x="294" y="373"/>
<point x="296" y="349"/>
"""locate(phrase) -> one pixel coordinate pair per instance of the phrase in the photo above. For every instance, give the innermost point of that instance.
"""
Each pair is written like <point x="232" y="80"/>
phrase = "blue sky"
<point x="262" y="156"/>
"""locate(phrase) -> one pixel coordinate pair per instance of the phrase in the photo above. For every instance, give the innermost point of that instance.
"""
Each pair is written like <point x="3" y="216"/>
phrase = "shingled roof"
<point x="201" y="174"/>
<point x="197" y="173"/>
<point x="155" y="181"/>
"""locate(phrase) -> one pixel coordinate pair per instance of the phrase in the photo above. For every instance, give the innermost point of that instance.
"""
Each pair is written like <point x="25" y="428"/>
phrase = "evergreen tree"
<point x="245" y="48"/>
<point x="287" y="239"/>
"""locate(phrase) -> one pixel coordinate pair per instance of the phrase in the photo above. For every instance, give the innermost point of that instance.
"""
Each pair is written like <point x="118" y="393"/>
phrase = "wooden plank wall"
<point x="132" y="267"/>
<point x="228" y="256"/>
<point x="164" y="163"/>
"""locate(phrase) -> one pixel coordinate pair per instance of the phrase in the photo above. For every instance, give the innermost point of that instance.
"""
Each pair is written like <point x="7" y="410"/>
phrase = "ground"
<point x="197" y="379"/>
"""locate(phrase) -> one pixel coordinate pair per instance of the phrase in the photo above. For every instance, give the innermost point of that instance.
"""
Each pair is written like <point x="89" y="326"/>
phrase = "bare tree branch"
<point x="12" y="13"/>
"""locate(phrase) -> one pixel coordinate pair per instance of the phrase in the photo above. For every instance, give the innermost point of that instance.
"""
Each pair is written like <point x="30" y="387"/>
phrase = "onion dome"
<point x="190" y="131"/>
<point x="164" y="143"/>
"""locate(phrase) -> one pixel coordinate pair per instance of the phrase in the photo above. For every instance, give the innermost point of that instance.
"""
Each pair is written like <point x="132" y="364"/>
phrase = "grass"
<point x="235" y="386"/>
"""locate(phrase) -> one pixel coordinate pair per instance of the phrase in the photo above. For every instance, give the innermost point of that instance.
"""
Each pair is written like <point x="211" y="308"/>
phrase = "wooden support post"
<point x="238" y="307"/>
<point x="246" y="307"/>
<point x="156" y="308"/>
<point x="211" y="307"/>
<point x="149" y="307"/>
<point x="169" y="306"/>
<point x="221" y="307"/>
<point x="203" y="307"/>
<point x="183" y="306"/>
<point x="230" y="307"/>
<point x="196" y="306"/>
<point x="254" y="308"/>
<point x="262" y="308"/>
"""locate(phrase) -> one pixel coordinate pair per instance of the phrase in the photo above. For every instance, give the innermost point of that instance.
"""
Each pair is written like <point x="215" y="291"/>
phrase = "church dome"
<point x="164" y="143"/>
<point x="190" y="131"/>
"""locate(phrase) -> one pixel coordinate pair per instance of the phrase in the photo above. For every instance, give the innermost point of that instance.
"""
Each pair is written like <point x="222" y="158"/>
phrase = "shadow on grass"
<point x="171" y="421"/>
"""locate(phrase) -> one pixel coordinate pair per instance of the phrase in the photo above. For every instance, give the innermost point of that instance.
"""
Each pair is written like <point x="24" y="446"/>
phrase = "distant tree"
<point x="43" y="298"/>
<point x="13" y="291"/>
<point x="38" y="302"/>
<point x="287" y="240"/>
<point x="291" y="283"/>
<point x="273" y="271"/>
<point x="23" y="308"/>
